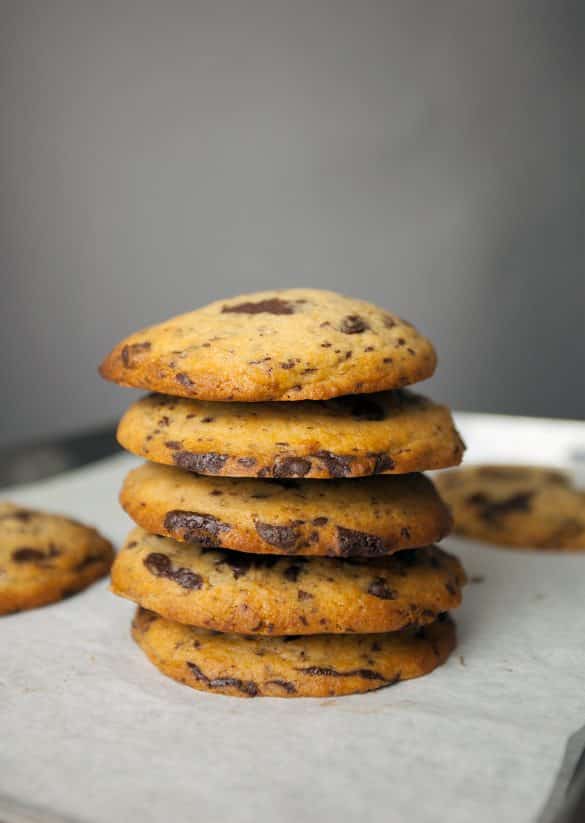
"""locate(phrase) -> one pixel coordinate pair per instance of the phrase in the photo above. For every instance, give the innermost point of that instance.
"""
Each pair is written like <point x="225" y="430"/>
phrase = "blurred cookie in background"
<point x="46" y="557"/>
<point x="528" y="507"/>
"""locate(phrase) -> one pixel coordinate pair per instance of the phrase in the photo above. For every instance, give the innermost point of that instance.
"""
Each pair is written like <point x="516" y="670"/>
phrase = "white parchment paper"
<point x="90" y="731"/>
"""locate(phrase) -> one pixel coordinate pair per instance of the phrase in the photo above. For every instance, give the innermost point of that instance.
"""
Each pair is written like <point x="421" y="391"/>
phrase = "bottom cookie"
<point x="299" y="666"/>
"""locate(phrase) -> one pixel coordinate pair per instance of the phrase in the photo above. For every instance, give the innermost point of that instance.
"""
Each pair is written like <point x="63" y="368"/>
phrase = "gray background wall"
<point x="424" y="155"/>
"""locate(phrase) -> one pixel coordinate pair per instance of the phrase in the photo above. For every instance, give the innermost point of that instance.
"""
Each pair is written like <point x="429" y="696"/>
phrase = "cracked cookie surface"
<point x="385" y="433"/>
<point x="365" y="517"/>
<point x="230" y="591"/>
<point x="315" y="666"/>
<point x="292" y="344"/>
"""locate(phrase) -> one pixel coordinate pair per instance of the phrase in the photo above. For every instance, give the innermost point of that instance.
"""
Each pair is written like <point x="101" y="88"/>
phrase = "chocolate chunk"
<point x="246" y="686"/>
<point x="291" y="467"/>
<point x="207" y="419"/>
<point x="288" y="364"/>
<point x="184" y="380"/>
<point x="383" y="463"/>
<point x="389" y="321"/>
<point x="320" y="521"/>
<point x="158" y="564"/>
<point x="326" y="671"/>
<point x="336" y="464"/>
<point x="292" y="572"/>
<point x="353" y="324"/>
<point x="173" y="444"/>
<point x="303" y="595"/>
<point x="284" y="537"/>
<point x="379" y="588"/>
<point x="195" y="527"/>
<point x="359" y="544"/>
<point x="132" y="352"/>
<point x="247" y="462"/>
<point x="26" y="555"/>
<point x="187" y="578"/>
<point x="274" y="305"/>
<point x="492" y="510"/>
<point x="88" y="561"/>
<point x="239" y="562"/>
<point x="204" y="463"/>
<point x="284" y="684"/>
<point x="450" y="588"/>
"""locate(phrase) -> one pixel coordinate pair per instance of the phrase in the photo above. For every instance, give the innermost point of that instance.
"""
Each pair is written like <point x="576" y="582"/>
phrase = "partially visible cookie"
<point x="385" y="433"/>
<point x="258" y="594"/>
<point x="292" y="344"/>
<point x="45" y="557"/>
<point x="317" y="666"/>
<point x="522" y="506"/>
<point x="366" y="517"/>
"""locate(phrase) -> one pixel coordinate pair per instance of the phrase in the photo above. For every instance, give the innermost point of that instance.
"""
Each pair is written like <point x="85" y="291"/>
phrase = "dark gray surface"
<point x="36" y="461"/>
<point x="155" y="156"/>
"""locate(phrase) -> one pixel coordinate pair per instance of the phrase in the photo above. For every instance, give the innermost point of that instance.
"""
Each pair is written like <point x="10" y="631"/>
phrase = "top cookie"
<point x="292" y="344"/>
<point x="45" y="557"/>
<point x="521" y="506"/>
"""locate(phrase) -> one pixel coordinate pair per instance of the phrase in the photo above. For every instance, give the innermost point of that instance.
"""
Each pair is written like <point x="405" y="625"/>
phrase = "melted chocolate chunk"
<point x="239" y="563"/>
<point x="292" y="572"/>
<point x="284" y="537"/>
<point x="383" y="463"/>
<point x="380" y="588"/>
<point x="353" y="324"/>
<point x="246" y="686"/>
<point x="88" y="561"/>
<point x="336" y="464"/>
<point x="132" y="352"/>
<point x="326" y="671"/>
<point x="291" y="467"/>
<point x="320" y="521"/>
<point x="160" y="566"/>
<point x="205" y="463"/>
<point x="359" y="544"/>
<point x="284" y="684"/>
<point x="274" y="305"/>
<point x="303" y="595"/>
<point x="187" y="578"/>
<point x="194" y="527"/>
<point x="26" y="555"/>
<point x="491" y="510"/>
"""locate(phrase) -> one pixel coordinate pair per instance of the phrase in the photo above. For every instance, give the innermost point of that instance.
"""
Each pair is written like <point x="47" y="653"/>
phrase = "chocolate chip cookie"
<point x="315" y="666"/>
<point x="264" y="594"/>
<point x="364" y="517"/>
<point x="293" y="344"/>
<point x="521" y="506"/>
<point x="45" y="557"/>
<point x="385" y="433"/>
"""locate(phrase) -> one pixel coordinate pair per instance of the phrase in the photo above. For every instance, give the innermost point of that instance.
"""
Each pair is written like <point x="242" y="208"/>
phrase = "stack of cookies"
<point x="284" y="531"/>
